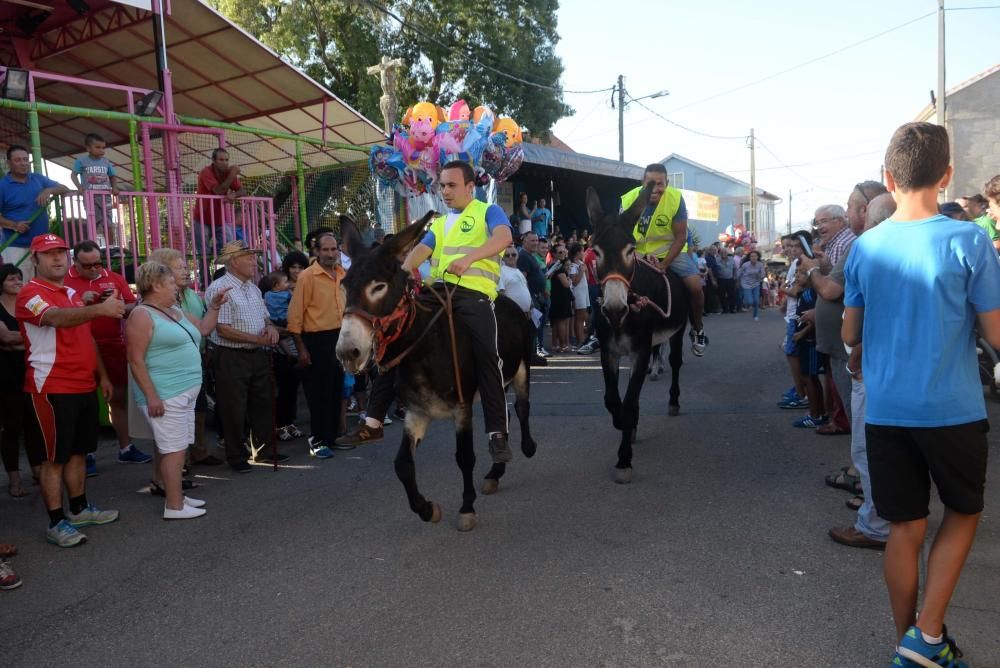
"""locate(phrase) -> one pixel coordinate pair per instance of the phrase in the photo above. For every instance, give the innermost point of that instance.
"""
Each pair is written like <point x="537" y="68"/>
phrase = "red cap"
<point x="47" y="242"/>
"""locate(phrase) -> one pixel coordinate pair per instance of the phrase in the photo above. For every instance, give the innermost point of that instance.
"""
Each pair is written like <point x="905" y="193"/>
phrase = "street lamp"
<point x="621" y="112"/>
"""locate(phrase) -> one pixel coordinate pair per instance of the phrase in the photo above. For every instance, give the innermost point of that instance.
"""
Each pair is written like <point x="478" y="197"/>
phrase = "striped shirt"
<point x="244" y="310"/>
<point x="838" y="246"/>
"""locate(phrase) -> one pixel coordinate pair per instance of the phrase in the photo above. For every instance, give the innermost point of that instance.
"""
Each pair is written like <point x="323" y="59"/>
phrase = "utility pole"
<point x="621" y="118"/>
<point x="753" y="187"/>
<point x="941" y="102"/>
<point x="789" y="211"/>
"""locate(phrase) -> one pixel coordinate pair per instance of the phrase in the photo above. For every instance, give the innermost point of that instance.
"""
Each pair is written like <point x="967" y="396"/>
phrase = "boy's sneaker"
<point x="790" y="393"/>
<point x="91" y="465"/>
<point x="92" y="515"/>
<point x="319" y="449"/>
<point x="794" y="403"/>
<point x="64" y="534"/>
<point x="588" y="348"/>
<point x="810" y="422"/>
<point x="698" y="342"/>
<point x="919" y="652"/>
<point x="542" y="352"/>
<point x="133" y="455"/>
<point x="8" y="578"/>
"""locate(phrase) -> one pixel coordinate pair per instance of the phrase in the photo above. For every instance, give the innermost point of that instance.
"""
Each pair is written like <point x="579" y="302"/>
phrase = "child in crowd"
<point x="277" y="295"/>
<point x="812" y="362"/>
<point x="95" y="172"/>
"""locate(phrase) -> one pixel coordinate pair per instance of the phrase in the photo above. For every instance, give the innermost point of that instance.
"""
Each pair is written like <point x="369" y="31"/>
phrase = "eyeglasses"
<point x="823" y="221"/>
<point x="863" y="194"/>
<point x="510" y="254"/>
<point x="91" y="265"/>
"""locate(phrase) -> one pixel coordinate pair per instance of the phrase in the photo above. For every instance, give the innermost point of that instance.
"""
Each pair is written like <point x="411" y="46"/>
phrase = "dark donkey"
<point x="386" y="321"/>
<point x="640" y="308"/>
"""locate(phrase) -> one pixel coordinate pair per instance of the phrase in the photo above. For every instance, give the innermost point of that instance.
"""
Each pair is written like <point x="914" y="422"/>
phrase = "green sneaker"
<point x="64" y="535"/>
<point x="92" y="515"/>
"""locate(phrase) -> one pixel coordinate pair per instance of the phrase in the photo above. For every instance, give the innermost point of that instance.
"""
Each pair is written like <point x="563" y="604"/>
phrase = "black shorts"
<point x="69" y="424"/>
<point x="903" y="460"/>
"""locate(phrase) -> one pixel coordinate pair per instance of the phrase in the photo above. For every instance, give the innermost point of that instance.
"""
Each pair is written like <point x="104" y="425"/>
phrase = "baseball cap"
<point x="47" y="242"/>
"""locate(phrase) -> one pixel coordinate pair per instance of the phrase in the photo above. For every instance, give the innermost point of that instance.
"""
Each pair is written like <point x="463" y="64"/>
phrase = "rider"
<point x="464" y="247"/>
<point x="661" y="236"/>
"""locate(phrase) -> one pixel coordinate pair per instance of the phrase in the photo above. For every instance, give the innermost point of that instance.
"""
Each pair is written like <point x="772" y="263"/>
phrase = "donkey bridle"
<point x="637" y="301"/>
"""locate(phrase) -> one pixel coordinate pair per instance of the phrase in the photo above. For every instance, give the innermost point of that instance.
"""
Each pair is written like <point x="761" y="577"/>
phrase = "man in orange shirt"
<point x="314" y="318"/>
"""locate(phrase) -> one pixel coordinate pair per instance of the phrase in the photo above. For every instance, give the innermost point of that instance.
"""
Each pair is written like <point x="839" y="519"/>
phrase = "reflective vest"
<point x="659" y="235"/>
<point x="468" y="233"/>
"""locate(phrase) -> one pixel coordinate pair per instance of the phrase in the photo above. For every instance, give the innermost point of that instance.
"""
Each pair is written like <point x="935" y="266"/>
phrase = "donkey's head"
<point x="614" y="246"/>
<point x="375" y="286"/>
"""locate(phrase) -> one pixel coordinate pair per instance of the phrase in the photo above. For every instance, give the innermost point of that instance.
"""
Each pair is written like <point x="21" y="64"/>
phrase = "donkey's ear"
<point x="401" y="244"/>
<point x="350" y="236"/>
<point x="629" y="216"/>
<point x="594" y="208"/>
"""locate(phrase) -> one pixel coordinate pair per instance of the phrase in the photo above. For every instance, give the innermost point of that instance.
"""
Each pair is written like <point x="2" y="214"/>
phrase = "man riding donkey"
<point x="661" y="238"/>
<point x="464" y="247"/>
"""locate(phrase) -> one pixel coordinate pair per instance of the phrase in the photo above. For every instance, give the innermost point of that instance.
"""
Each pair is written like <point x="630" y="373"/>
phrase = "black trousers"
<point x="326" y="384"/>
<point x="244" y="394"/>
<point x="475" y="311"/>
<point x="18" y="418"/>
<point x="727" y="293"/>
<point x="383" y="392"/>
<point x="288" y="378"/>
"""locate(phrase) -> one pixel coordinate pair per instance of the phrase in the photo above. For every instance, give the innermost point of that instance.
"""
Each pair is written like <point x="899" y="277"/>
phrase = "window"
<point x="676" y="179"/>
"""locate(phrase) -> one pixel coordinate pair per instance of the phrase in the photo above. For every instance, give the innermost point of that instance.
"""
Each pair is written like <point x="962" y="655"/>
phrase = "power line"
<point x="452" y="47"/>
<point x="792" y="171"/>
<point x="684" y="127"/>
<point x="600" y="103"/>
<point x="805" y="63"/>
<point x="806" y="164"/>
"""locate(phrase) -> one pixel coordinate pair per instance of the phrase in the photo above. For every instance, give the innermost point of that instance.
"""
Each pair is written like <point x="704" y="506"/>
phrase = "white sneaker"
<point x="193" y="503"/>
<point x="187" y="513"/>
<point x="386" y="421"/>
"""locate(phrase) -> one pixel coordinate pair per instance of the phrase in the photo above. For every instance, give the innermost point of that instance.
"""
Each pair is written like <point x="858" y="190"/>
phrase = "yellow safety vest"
<point x="468" y="233"/>
<point x="659" y="235"/>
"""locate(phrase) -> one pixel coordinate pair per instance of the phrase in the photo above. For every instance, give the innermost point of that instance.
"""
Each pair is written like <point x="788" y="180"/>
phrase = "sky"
<point x="830" y="120"/>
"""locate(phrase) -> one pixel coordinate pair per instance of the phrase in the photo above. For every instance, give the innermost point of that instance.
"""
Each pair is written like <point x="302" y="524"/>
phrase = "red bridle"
<point x="636" y="301"/>
<point x="387" y="329"/>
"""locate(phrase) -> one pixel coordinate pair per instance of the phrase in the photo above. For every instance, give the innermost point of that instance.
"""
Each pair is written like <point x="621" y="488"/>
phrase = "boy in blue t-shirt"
<point x="95" y="172"/>
<point x="915" y="287"/>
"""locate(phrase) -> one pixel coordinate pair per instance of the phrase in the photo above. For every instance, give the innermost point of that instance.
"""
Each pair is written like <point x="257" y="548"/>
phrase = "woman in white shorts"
<point x="164" y="360"/>
<point x="523" y="214"/>
<point x="581" y="293"/>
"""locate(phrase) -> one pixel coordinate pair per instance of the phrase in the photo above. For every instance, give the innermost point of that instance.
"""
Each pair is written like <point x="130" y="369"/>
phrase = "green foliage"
<point x="335" y="41"/>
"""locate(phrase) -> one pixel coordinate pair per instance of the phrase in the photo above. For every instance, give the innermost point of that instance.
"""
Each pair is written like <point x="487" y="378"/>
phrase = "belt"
<point x="240" y="350"/>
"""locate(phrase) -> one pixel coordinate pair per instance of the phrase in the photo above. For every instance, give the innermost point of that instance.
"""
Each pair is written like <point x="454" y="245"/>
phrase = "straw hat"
<point x="234" y="249"/>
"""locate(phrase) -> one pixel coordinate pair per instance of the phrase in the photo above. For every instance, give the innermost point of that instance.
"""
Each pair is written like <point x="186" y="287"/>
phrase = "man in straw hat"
<point x="241" y="363"/>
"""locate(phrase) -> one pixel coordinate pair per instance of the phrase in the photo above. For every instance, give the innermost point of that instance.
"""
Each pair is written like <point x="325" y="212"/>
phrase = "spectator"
<point x="541" y="219"/>
<point x="88" y="277"/>
<point x="953" y="210"/>
<point x="314" y="319"/>
<point x="63" y="370"/>
<point x="17" y="418"/>
<point x="737" y="261"/>
<point x="581" y="295"/>
<point x="812" y="363"/>
<point x="523" y="215"/>
<point x="276" y="289"/>
<point x="751" y="275"/>
<point x="727" y="281"/>
<point x="540" y="254"/>
<point x="96" y="173"/>
<point x="593" y="293"/>
<point x="212" y="227"/>
<point x="992" y="192"/>
<point x="164" y="354"/>
<point x="513" y="283"/>
<point x="243" y="388"/>
<point x="293" y="264"/>
<point x="977" y="208"/>
<point x="925" y="415"/>
<point x="561" y="310"/>
<point x="192" y="305"/>
<point x="835" y="234"/>
<point x="869" y="530"/>
<point x="24" y="196"/>
<point x="794" y="246"/>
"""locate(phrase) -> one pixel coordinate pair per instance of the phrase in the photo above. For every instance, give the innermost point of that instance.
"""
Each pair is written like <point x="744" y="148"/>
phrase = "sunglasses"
<point x="91" y="265"/>
<point x="863" y="194"/>
<point x="510" y="254"/>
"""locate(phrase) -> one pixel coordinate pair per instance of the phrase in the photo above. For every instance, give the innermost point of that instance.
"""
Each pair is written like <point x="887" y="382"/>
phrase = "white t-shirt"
<point x="791" y="303"/>
<point x="581" y="295"/>
<point x="515" y="285"/>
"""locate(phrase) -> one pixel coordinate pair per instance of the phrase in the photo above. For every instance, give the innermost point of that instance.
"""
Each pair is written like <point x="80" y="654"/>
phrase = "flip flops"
<point x="843" y="480"/>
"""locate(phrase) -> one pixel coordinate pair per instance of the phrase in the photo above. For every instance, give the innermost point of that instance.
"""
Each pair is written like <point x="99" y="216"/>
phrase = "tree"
<point x="451" y="50"/>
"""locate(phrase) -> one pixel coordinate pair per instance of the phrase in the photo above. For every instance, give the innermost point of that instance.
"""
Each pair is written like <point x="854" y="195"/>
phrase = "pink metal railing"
<point x="137" y="223"/>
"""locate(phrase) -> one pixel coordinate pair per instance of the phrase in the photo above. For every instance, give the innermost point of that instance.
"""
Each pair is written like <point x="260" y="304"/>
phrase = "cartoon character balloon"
<point x="511" y="128"/>
<point x="459" y="111"/>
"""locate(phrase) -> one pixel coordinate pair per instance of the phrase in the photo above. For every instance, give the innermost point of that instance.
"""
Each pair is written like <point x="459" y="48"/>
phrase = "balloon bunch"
<point x="430" y="137"/>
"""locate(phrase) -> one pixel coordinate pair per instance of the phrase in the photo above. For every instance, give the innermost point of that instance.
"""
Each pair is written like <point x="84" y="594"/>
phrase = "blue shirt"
<point x="17" y="203"/>
<point x="540" y="219"/>
<point x="921" y="284"/>
<point x="495" y="217"/>
<point x="94" y="173"/>
<point x="277" y="304"/>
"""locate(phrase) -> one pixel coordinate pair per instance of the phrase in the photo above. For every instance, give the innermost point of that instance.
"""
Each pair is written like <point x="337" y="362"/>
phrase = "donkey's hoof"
<point x="467" y="521"/>
<point x="490" y="486"/>
<point x="674" y="411"/>
<point x="528" y="448"/>
<point x="435" y="513"/>
<point x="623" y="476"/>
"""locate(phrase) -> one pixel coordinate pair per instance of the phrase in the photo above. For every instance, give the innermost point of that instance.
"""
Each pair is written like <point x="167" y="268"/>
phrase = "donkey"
<point x="640" y="308"/>
<point x="387" y="322"/>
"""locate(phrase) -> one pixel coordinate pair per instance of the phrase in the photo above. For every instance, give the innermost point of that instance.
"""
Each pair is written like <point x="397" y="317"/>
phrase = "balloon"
<point x="442" y="114"/>
<point x="511" y="163"/>
<point x="479" y="112"/>
<point x="510" y="126"/>
<point x="421" y="132"/>
<point x="407" y="116"/>
<point x="459" y="111"/>
<point x="424" y="111"/>
<point x="449" y="138"/>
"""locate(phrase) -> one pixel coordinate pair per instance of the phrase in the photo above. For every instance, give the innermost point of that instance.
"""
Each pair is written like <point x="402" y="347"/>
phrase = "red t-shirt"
<point x="61" y="360"/>
<point x="590" y="262"/>
<point x="210" y="212"/>
<point x="105" y="330"/>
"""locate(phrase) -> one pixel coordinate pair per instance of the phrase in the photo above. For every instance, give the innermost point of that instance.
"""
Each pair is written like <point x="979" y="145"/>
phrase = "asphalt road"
<point x="716" y="554"/>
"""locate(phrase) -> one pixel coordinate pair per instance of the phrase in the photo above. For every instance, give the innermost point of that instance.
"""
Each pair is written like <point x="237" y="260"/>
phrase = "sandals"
<point x="855" y="502"/>
<point x="844" y="480"/>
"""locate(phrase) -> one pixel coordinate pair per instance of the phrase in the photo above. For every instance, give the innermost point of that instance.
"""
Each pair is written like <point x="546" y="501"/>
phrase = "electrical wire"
<point x="601" y="102"/>
<point x="805" y="63"/>
<point x="790" y="170"/>
<point x="684" y="127"/>
<point x="805" y="164"/>
<point x="451" y="47"/>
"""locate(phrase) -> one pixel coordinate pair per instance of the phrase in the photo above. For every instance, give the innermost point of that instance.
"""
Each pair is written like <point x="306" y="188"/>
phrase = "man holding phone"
<point x="94" y="283"/>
